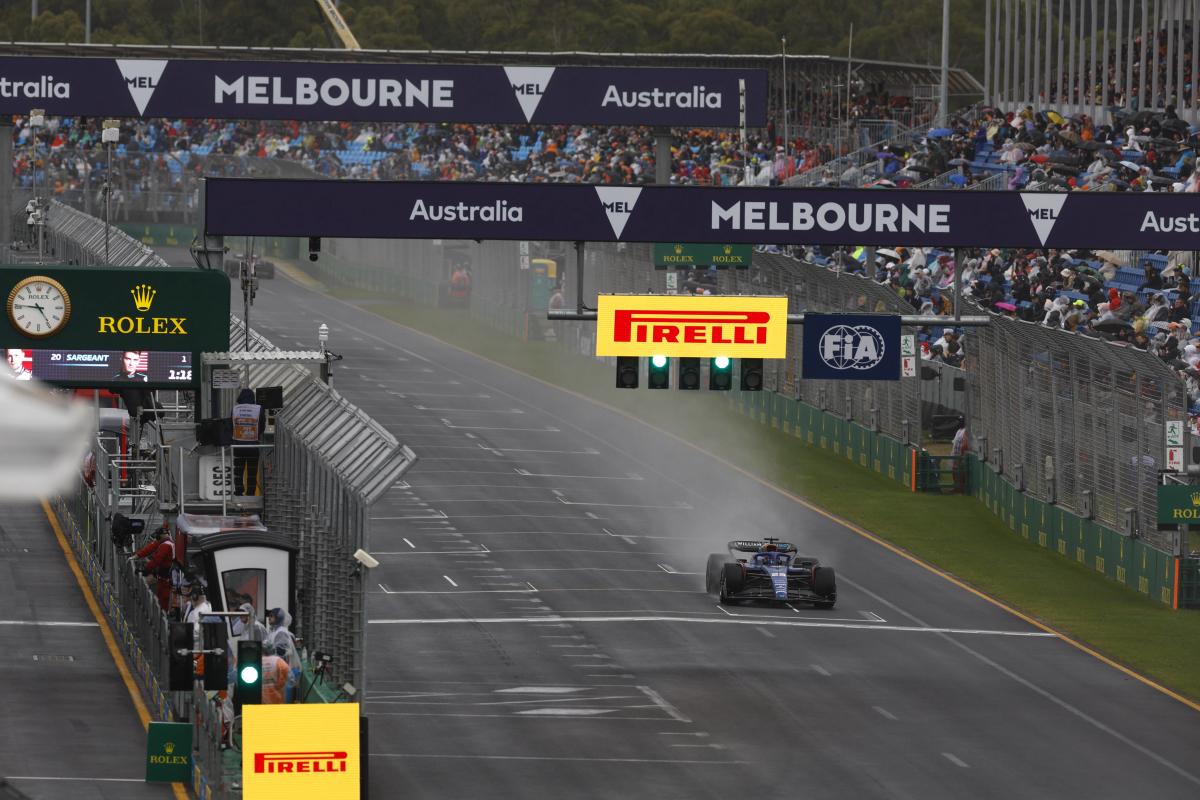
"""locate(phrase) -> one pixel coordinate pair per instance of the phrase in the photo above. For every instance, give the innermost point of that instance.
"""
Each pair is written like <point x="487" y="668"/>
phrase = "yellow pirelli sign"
<point x="300" y="752"/>
<point x="682" y="325"/>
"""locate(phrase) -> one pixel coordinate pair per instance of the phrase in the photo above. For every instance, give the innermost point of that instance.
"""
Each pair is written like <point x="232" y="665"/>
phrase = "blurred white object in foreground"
<point x="43" y="439"/>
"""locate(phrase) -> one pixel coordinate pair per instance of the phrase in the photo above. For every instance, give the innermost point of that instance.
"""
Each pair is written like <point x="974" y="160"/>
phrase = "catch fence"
<point x="1074" y="420"/>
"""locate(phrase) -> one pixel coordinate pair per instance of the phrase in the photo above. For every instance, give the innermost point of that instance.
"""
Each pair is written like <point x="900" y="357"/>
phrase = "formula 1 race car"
<point x="774" y="572"/>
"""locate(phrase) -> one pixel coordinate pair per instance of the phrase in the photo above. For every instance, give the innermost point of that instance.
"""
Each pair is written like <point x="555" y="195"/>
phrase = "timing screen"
<point x="100" y="366"/>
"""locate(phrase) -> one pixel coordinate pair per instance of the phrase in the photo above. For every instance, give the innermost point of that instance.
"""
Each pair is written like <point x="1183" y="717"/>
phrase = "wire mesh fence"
<point x="332" y="462"/>
<point x="73" y="237"/>
<point x="1074" y="420"/>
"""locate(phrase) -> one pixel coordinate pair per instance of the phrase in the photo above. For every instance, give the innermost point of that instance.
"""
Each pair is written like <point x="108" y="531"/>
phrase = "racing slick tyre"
<point x="733" y="579"/>
<point x="824" y="583"/>
<point x="712" y="575"/>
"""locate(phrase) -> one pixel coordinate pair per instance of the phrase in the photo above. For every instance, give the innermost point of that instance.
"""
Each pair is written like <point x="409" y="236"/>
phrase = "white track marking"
<point x="883" y="711"/>
<point x="731" y="620"/>
<point x="663" y="704"/>
<point x="587" y="451"/>
<point x="679" y="506"/>
<point x="765" y="632"/>
<point x="557" y="758"/>
<point x="629" y="477"/>
<point x="819" y="670"/>
<point x="955" y="760"/>
<point x="410" y="544"/>
<point x="452" y="583"/>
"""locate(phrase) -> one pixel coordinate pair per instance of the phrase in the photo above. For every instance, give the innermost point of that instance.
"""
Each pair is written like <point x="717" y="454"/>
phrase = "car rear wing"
<point x="754" y="547"/>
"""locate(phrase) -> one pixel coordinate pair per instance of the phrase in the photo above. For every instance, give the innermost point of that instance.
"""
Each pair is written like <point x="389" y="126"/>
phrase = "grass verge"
<point x="955" y="533"/>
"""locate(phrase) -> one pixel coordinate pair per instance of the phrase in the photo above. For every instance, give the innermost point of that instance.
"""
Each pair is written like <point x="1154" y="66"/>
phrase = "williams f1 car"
<point x="770" y="570"/>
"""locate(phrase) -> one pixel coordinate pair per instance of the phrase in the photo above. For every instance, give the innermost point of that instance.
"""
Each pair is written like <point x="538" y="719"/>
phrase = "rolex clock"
<point x="39" y="307"/>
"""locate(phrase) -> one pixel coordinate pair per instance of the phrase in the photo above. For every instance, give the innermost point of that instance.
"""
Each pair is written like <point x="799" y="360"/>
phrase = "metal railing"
<point x="332" y="463"/>
<point x="73" y="237"/>
<point x="1072" y="412"/>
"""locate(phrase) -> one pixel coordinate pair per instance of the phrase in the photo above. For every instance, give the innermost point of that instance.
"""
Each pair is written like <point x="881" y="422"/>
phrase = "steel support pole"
<point x="579" y="307"/>
<point x="1143" y="69"/>
<point x="1153" y="35"/>
<point x="987" y="52"/>
<point x="1195" y="62"/>
<point x="944" y="91"/>
<point x="1027" y="84"/>
<point x="6" y="181"/>
<point x="662" y="156"/>
<point x="869" y="260"/>
<point x="958" y="270"/>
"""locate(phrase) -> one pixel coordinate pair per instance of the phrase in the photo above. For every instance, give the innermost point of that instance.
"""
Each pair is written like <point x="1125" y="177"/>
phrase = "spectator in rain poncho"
<point x="280" y="638"/>
<point x="247" y="627"/>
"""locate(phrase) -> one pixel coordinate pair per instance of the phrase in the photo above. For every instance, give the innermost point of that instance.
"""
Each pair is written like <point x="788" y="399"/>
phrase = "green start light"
<point x="721" y="362"/>
<point x="249" y="674"/>
<point x="659" y="361"/>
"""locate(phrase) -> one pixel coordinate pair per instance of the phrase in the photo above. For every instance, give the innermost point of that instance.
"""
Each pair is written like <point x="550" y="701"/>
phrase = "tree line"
<point x="907" y="31"/>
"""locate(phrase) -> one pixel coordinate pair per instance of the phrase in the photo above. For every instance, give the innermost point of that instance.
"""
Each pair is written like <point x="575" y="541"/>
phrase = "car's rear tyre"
<point x="824" y="583"/>
<point x="712" y="575"/>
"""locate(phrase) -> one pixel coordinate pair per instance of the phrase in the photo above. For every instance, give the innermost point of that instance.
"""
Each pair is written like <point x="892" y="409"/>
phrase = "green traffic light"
<point x="659" y="361"/>
<point x="249" y="674"/>
<point x="721" y="362"/>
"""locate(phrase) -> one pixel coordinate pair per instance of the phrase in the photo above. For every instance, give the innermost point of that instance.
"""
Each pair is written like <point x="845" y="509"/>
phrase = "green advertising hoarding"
<point x="1179" y="505"/>
<point x="169" y="752"/>
<point x="107" y="326"/>
<point x="677" y="255"/>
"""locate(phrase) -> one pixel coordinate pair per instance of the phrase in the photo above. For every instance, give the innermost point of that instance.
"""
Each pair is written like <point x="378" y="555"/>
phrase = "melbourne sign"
<point x="857" y="347"/>
<point x="685" y="256"/>
<point x="115" y="308"/>
<point x="380" y="92"/>
<point x="678" y="325"/>
<point x="700" y="215"/>
<point x="301" y="752"/>
<point x="1178" y="505"/>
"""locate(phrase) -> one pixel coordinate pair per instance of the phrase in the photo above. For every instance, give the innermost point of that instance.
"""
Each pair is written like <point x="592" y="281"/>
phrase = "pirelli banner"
<point x="678" y="325"/>
<point x="380" y="92"/>
<point x="301" y="752"/>
<point x="702" y="215"/>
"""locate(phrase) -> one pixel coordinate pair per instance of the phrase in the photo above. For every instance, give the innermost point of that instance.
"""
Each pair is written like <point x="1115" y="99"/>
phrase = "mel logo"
<point x="529" y="84"/>
<point x="618" y="202"/>
<point x="1043" y="211"/>
<point x="141" y="78"/>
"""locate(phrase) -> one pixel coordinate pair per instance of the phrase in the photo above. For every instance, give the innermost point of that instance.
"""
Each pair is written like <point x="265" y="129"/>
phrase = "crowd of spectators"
<point x="1149" y="307"/>
<point x="1142" y="151"/>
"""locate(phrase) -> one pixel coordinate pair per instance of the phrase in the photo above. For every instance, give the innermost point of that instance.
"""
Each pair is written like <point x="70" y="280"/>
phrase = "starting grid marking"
<point x="787" y="623"/>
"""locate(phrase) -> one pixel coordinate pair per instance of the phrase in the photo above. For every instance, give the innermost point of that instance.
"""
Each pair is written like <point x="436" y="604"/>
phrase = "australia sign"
<point x="700" y="215"/>
<point x="306" y="90"/>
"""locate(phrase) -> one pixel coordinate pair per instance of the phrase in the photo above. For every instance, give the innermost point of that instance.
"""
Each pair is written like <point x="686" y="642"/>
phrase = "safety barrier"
<point x="1151" y="571"/>
<point x="141" y="627"/>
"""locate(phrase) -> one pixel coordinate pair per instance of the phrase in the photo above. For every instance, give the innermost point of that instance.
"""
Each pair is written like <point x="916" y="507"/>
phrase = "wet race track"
<point x="539" y="625"/>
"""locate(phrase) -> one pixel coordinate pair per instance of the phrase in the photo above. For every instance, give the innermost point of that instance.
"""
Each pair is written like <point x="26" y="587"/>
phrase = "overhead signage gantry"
<point x="714" y="215"/>
<point x="856" y="347"/>
<point x="310" y="90"/>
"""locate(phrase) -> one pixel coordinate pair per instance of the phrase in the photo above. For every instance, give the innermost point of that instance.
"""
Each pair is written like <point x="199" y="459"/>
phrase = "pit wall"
<point x="1154" y="573"/>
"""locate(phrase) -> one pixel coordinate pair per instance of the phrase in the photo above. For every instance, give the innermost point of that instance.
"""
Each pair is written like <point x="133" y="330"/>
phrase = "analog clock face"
<point x="39" y="307"/>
